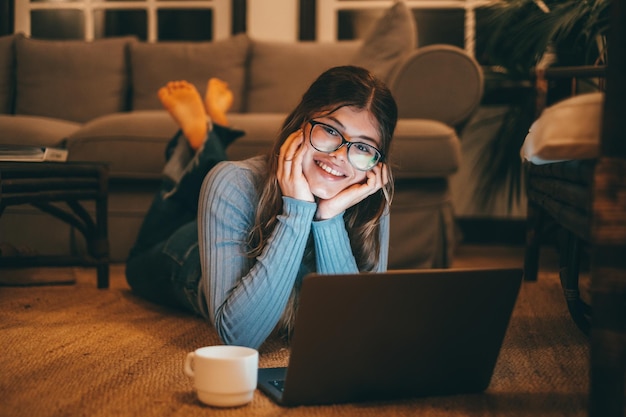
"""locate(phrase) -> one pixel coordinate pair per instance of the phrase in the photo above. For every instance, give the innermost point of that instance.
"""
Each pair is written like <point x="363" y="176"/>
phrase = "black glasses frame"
<point x="344" y="142"/>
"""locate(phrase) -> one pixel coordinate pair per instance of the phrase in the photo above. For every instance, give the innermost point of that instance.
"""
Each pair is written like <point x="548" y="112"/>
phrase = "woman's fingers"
<point x="290" y="177"/>
<point x="377" y="178"/>
<point x="385" y="173"/>
<point x="292" y="144"/>
<point x="287" y="152"/>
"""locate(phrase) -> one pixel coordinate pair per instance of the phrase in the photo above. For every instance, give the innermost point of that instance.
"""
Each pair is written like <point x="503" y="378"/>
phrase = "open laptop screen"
<point x="398" y="334"/>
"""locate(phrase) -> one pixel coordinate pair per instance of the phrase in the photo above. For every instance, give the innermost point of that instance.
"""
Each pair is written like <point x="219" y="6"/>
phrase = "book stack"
<point x="25" y="153"/>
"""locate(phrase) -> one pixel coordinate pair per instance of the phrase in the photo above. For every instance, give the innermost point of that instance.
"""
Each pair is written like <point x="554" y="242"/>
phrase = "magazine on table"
<point x="28" y="153"/>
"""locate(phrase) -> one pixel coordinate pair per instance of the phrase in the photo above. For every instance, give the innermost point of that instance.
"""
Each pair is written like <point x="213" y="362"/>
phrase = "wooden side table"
<point x="59" y="188"/>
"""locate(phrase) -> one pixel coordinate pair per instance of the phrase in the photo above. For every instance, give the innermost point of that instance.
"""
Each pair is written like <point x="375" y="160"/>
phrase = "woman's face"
<point x="330" y="173"/>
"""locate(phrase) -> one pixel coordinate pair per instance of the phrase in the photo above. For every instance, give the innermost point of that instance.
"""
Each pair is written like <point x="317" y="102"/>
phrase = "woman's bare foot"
<point x="218" y="100"/>
<point x="184" y="103"/>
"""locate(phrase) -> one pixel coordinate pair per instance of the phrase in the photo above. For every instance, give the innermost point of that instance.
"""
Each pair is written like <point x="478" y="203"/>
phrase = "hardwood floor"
<point x="466" y="256"/>
<point x="477" y="256"/>
<point x="486" y="255"/>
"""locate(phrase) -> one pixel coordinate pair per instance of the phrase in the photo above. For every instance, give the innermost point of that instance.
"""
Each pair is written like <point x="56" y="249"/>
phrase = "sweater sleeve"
<point x="246" y="296"/>
<point x="334" y="252"/>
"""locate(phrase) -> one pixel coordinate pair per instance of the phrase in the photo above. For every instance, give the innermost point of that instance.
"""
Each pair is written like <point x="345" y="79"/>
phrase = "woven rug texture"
<point x="74" y="350"/>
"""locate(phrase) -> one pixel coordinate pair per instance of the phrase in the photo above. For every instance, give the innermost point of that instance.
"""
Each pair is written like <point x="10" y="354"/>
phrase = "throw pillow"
<point x="570" y="129"/>
<point x="280" y="72"/>
<point x="71" y="80"/>
<point x="393" y="36"/>
<point x="154" y="64"/>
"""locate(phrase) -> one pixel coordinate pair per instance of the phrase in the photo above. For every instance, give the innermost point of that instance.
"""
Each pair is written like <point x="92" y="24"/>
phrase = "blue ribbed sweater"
<point x="244" y="297"/>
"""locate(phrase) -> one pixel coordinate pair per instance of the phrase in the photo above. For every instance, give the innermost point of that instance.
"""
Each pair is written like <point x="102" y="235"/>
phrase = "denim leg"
<point x="176" y="203"/>
<point x="188" y="180"/>
<point x="168" y="273"/>
<point x="164" y="265"/>
<point x="163" y="218"/>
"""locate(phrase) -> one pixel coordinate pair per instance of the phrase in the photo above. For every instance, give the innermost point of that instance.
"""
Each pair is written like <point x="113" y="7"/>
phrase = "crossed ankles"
<point x="182" y="100"/>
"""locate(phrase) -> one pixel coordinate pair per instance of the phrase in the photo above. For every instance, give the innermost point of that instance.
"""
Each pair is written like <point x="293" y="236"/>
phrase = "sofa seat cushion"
<point x="71" y="80"/>
<point x="567" y="130"/>
<point x="420" y="149"/>
<point x="154" y="64"/>
<point x="35" y="130"/>
<point x="133" y="143"/>
<point x="261" y="130"/>
<point x="424" y="149"/>
<point x="280" y="72"/>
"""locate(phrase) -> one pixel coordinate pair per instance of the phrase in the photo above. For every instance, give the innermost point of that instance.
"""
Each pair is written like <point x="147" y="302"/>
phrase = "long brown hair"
<point x="345" y="86"/>
<point x="335" y="88"/>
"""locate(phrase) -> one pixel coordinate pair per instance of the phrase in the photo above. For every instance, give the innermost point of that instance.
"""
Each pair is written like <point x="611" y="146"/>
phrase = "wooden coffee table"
<point x="59" y="189"/>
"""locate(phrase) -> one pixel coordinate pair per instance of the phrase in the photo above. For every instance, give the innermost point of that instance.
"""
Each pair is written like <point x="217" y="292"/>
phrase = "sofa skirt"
<point x="422" y="225"/>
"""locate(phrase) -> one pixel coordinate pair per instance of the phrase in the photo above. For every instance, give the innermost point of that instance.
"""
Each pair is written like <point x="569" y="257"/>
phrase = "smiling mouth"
<point x="328" y="169"/>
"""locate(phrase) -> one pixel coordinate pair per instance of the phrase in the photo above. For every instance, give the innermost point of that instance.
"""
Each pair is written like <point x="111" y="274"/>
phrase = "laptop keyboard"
<point x="279" y="384"/>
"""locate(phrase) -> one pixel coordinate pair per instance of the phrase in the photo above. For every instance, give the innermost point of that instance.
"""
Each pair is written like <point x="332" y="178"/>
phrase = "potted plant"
<point x="521" y="36"/>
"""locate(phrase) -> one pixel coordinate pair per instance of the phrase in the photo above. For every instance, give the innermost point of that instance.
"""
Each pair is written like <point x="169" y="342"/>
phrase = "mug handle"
<point x="188" y="365"/>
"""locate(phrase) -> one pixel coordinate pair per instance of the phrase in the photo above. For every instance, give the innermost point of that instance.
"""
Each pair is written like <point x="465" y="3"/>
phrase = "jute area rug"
<point x="74" y="350"/>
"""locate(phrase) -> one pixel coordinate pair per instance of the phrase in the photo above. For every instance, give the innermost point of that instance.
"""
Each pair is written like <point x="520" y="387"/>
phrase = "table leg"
<point x="102" y="238"/>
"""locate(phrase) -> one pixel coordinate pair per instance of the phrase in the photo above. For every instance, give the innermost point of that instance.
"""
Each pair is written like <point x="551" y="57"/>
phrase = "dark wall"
<point x="239" y="16"/>
<point x="307" y="20"/>
<point x="6" y="16"/>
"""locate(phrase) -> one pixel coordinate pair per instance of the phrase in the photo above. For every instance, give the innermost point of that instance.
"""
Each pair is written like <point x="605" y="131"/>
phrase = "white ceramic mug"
<point x="224" y="376"/>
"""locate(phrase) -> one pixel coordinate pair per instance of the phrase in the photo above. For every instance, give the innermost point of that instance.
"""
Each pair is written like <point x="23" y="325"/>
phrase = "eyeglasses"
<point x="327" y="139"/>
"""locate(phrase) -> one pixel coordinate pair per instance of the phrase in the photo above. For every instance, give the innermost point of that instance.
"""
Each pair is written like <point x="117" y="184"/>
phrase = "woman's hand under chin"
<point x="376" y="178"/>
<point x="290" y="177"/>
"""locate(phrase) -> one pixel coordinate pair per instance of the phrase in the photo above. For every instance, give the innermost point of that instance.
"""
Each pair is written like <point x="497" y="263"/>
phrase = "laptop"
<point x="393" y="335"/>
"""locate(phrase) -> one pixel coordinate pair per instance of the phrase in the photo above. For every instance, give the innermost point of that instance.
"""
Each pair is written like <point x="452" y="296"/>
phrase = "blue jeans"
<point x="164" y="265"/>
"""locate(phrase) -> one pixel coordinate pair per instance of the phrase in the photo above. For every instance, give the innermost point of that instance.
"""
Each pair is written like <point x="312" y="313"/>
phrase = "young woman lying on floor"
<point x="232" y="240"/>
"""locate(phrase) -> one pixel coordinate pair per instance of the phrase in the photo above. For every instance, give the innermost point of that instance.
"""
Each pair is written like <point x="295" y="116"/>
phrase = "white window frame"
<point x="222" y="13"/>
<point x="328" y="11"/>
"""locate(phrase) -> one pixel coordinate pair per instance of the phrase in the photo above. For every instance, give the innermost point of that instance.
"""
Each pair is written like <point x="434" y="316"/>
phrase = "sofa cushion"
<point x="82" y="80"/>
<point x="280" y="72"/>
<point x="424" y="148"/>
<point x="391" y="38"/>
<point x="34" y="130"/>
<point x="420" y="148"/>
<point x="7" y="73"/>
<point x="567" y="130"/>
<point x="154" y="64"/>
<point x="261" y="130"/>
<point x="133" y="143"/>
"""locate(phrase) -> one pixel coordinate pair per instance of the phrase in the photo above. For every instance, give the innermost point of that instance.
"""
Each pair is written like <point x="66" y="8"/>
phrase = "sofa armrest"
<point x="438" y="82"/>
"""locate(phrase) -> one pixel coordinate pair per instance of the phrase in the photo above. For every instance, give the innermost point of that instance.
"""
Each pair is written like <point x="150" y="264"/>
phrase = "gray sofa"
<point x="98" y="99"/>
